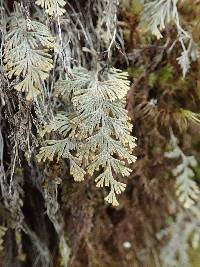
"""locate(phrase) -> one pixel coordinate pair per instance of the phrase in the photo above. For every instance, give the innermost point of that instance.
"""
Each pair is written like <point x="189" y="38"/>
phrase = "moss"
<point x="136" y="7"/>
<point x="152" y="79"/>
<point x="195" y="257"/>
<point x="161" y="77"/>
<point x="135" y="72"/>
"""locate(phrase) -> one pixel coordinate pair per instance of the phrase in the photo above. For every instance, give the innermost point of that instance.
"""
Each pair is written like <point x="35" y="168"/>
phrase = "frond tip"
<point x="52" y="7"/>
<point x="62" y="149"/>
<point x="157" y="14"/>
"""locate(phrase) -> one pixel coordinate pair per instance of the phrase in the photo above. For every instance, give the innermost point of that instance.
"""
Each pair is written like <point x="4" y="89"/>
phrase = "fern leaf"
<point x="186" y="189"/>
<point x="26" y="54"/>
<point x="99" y="124"/>
<point x="99" y="108"/>
<point x="157" y="14"/>
<point x="184" y="62"/>
<point x="52" y="7"/>
<point x="61" y="123"/>
<point x="79" y="79"/>
<point x="62" y="149"/>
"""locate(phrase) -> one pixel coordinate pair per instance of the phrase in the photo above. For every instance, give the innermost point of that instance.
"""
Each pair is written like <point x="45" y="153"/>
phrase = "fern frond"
<point x="52" y="7"/>
<point x="61" y="123"/>
<point x="183" y="232"/>
<point x="184" y="62"/>
<point x="66" y="88"/>
<point x="63" y="149"/>
<point x="186" y="189"/>
<point x="107" y="147"/>
<point x="26" y="54"/>
<point x="157" y="14"/>
<point x="100" y="125"/>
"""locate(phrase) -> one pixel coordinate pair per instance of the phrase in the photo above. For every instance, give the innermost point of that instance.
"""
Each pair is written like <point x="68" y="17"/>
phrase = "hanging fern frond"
<point x="66" y="88"/>
<point x="26" y="54"/>
<point x="61" y="123"/>
<point x="186" y="188"/>
<point x="101" y="127"/>
<point x="104" y="123"/>
<point x="52" y="7"/>
<point x="157" y="14"/>
<point x="64" y="148"/>
<point x="184" y="62"/>
<point x="183" y="232"/>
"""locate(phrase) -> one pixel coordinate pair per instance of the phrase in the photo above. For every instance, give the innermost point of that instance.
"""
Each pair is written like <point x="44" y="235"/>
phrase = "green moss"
<point x="195" y="257"/>
<point x="146" y="38"/>
<point x="135" y="72"/>
<point x="166" y="75"/>
<point x="161" y="77"/>
<point x="197" y="171"/>
<point x="136" y="7"/>
<point x="187" y="9"/>
<point x="152" y="79"/>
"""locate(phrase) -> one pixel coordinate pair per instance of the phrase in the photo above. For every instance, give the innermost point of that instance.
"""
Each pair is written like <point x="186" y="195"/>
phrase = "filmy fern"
<point x="156" y="15"/>
<point x="186" y="188"/>
<point x="183" y="232"/>
<point x="107" y="20"/>
<point x="52" y="7"/>
<point x="99" y="128"/>
<point x="63" y="148"/>
<point x="26" y="54"/>
<point x="189" y="52"/>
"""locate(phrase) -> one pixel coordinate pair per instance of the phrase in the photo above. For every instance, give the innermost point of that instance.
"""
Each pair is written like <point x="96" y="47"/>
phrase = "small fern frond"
<point x="52" y="7"/>
<point x="61" y="123"/>
<point x="56" y="148"/>
<point x="66" y="88"/>
<point x="184" y="62"/>
<point x="63" y="149"/>
<point x="157" y="14"/>
<point x="181" y="233"/>
<point x="187" y="190"/>
<point x="26" y="54"/>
